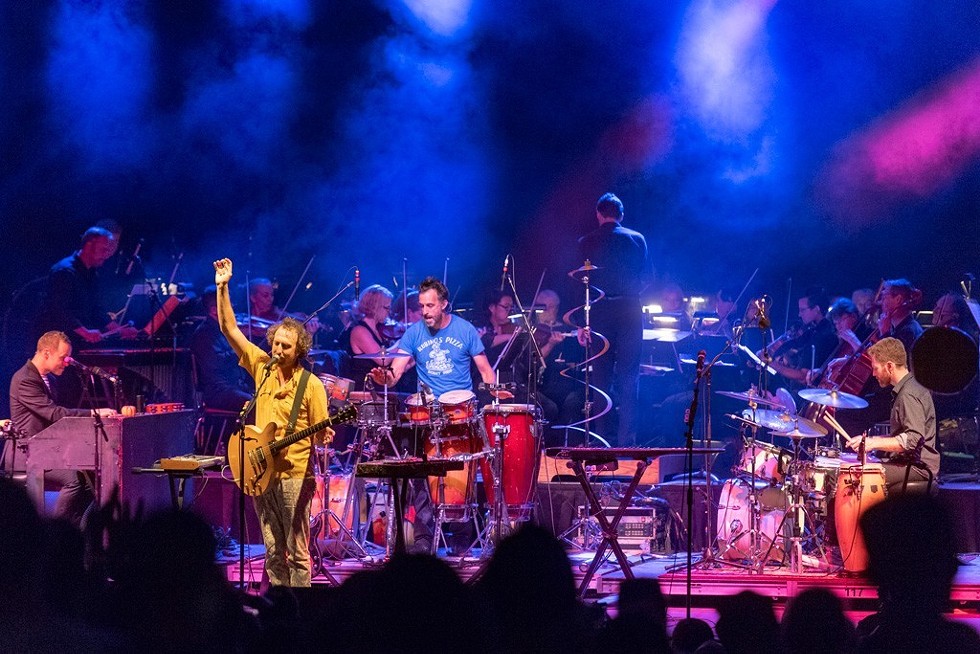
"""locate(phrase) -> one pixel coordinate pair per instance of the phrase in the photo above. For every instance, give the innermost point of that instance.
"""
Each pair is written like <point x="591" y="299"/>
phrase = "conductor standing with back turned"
<point x="621" y="256"/>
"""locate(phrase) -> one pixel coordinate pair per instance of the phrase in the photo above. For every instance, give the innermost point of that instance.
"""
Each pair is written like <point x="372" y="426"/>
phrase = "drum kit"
<point x="783" y="504"/>
<point x="499" y="442"/>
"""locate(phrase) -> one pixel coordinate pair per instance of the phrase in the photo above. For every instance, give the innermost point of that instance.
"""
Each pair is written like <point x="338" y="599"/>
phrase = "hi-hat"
<point x="797" y="433"/>
<point x="382" y="355"/>
<point x="832" y="398"/>
<point x="749" y="397"/>
<point x="781" y="421"/>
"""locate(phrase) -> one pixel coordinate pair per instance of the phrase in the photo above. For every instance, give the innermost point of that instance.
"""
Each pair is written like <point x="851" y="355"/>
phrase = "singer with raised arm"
<point x="33" y="407"/>
<point x="912" y="423"/>
<point x="284" y="509"/>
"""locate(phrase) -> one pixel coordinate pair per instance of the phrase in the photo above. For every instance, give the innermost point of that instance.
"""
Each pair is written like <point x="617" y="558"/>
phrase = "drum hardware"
<point x="796" y="511"/>
<point x="455" y="436"/>
<point x="382" y="354"/>
<point x="327" y="520"/>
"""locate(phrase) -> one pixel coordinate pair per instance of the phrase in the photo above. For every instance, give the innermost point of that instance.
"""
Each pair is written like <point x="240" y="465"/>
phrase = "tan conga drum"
<point x="859" y="487"/>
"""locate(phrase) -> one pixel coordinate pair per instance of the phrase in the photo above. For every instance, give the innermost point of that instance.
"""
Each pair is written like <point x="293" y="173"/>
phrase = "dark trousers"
<point x="75" y="497"/>
<point x="618" y="371"/>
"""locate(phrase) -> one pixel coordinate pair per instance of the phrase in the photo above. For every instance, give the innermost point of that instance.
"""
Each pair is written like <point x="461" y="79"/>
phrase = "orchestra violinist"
<point x="796" y="353"/>
<point x="371" y="331"/>
<point x="899" y="299"/>
<point x="560" y="397"/>
<point x="851" y="331"/>
<point x="264" y="313"/>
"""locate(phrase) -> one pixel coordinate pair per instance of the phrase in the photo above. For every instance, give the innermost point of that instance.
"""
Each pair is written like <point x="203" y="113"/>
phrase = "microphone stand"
<point x="328" y="302"/>
<point x="707" y="554"/>
<point x="242" y="416"/>
<point x="689" y="465"/>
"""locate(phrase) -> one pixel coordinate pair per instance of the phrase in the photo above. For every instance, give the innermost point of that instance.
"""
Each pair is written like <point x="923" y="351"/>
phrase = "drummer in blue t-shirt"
<point x="441" y="344"/>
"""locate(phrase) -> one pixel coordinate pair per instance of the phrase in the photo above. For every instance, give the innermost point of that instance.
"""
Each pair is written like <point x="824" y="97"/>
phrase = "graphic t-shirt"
<point x="443" y="359"/>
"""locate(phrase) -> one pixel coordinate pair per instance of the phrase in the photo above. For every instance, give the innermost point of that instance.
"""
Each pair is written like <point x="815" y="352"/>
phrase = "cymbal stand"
<point x="499" y="520"/>
<point x="327" y="516"/>
<point x="757" y="563"/>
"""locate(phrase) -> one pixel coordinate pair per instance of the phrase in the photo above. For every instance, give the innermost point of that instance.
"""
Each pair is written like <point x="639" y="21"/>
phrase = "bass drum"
<point x="945" y="359"/>
<point x="735" y="521"/>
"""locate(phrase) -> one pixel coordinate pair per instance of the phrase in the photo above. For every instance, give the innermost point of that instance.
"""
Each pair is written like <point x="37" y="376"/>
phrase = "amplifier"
<point x="642" y="529"/>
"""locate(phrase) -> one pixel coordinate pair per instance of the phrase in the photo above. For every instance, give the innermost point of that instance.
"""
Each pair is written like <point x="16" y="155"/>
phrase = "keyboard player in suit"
<point x="33" y="407"/>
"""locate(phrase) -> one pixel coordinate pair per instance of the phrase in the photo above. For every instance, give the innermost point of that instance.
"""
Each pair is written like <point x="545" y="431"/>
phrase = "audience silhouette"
<point x="151" y="584"/>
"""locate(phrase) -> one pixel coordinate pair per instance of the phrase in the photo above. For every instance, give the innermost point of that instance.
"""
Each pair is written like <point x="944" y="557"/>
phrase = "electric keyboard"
<point x="604" y="454"/>
<point x="190" y="462"/>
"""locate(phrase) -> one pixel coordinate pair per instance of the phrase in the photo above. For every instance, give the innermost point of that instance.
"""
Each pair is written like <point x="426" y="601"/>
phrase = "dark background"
<point x="832" y="143"/>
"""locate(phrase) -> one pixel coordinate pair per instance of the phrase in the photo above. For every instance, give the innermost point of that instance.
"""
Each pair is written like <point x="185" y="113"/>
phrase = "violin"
<point x="253" y="326"/>
<point x="392" y="330"/>
<point x="544" y="333"/>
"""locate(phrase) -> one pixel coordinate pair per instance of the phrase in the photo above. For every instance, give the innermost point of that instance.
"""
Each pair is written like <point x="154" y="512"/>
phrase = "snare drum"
<point x="458" y="407"/>
<point x="735" y="522"/>
<point x="770" y="461"/>
<point x="521" y="447"/>
<point x="820" y="476"/>
<point x="858" y="488"/>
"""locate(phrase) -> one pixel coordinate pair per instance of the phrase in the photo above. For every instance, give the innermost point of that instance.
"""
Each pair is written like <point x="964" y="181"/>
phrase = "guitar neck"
<point x="284" y="442"/>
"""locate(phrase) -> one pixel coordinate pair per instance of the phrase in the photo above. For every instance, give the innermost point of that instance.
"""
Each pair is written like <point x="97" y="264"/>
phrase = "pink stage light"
<point x="912" y="153"/>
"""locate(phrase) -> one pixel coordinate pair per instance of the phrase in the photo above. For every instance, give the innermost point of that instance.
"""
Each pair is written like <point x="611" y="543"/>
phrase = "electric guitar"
<point x="261" y="449"/>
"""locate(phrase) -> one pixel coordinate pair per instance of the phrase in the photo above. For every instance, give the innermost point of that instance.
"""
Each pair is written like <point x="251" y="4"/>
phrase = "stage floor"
<point x="709" y="583"/>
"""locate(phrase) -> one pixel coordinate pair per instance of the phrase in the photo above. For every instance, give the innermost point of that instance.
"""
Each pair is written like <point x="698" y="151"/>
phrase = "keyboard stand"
<point x="176" y="478"/>
<point x="583" y="456"/>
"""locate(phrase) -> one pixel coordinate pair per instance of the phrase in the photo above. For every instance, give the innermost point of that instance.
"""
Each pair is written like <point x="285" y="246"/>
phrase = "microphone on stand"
<point x="357" y="283"/>
<point x="133" y="259"/>
<point x="503" y="275"/>
<point x="762" y="304"/>
<point x="273" y="361"/>
<point x="92" y="370"/>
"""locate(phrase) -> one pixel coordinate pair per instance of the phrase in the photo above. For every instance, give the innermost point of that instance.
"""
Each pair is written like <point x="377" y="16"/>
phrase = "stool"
<point x="213" y="428"/>
<point x="917" y="486"/>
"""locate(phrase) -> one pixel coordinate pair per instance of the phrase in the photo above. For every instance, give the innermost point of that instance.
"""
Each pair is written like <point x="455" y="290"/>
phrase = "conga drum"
<point x="859" y="487"/>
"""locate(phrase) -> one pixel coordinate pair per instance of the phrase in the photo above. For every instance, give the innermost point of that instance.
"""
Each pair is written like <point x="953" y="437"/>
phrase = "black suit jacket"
<point x="32" y="408"/>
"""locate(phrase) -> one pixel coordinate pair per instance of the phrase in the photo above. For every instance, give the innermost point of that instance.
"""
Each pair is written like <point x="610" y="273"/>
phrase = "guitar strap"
<point x="297" y="401"/>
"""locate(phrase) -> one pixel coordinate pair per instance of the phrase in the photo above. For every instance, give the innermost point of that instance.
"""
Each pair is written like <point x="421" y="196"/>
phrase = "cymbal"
<point x="832" y="398"/>
<point x="749" y="397"/>
<point x="782" y="421"/>
<point x="383" y="354"/>
<point x="588" y="267"/>
<point x="796" y="434"/>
